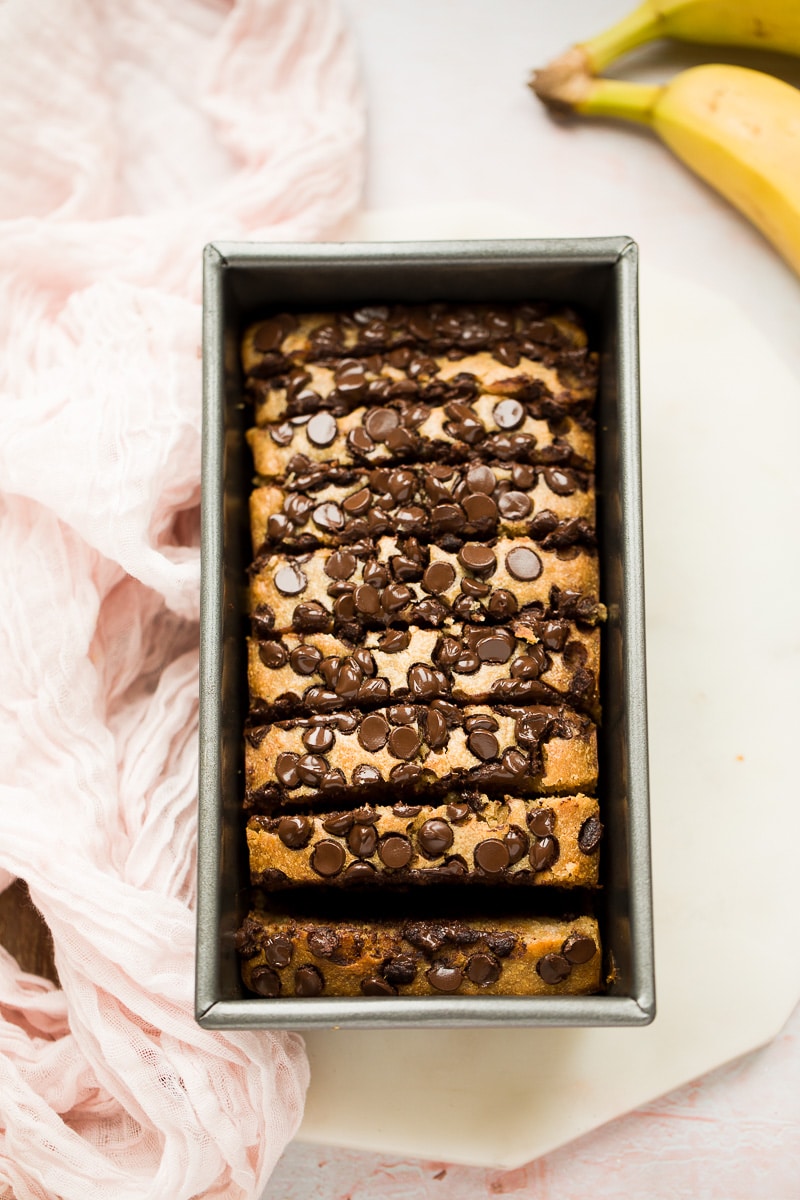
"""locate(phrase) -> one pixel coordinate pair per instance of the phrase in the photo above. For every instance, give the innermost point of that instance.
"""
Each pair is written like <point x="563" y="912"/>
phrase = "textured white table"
<point x="453" y="125"/>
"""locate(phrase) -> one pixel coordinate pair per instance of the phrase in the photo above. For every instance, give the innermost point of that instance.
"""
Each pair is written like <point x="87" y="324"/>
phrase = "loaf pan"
<point x="599" y="277"/>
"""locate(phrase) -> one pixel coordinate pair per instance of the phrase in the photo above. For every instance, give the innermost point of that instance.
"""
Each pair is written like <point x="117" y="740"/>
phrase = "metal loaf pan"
<point x="599" y="277"/>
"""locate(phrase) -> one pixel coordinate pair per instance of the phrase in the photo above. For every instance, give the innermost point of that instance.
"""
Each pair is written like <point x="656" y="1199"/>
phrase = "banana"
<point x="738" y="129"/>
<point x="767" y="24"/>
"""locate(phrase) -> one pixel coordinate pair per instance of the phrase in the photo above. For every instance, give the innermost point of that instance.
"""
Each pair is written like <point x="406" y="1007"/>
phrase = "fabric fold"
<point x="129" y="136"/>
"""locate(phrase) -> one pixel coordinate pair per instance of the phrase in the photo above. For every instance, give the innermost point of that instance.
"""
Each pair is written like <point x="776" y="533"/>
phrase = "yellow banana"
<point x="738" y="129"/>
<point x="768" y="24"/>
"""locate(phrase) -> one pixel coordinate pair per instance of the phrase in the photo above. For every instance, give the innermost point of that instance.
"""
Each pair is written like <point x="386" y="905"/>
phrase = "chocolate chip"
<point x="494" y="648"/>
<point x="364" y="775"/>
<point x="395" y="596"/>
<point x="310" y="618"/>
<point x="405" y="774"/>
<point x="395" y="850"/>
<point x="481" y="720"/>
<point x="529" y="666"/>
<point x="348" y="680"/>
<point x="578" y="949"/>
<point x="454" y="866"/>
<point x="263" y="621"/>
<point x="350" y="378"/>
<point x="286" y="770"/>
<point x="278" y="527"/>
<point x="323" y="942"/>
<point x="367" y="599"/>
<point x="340" y="565"/>
<point x="426" y="935"/>
<point x="474" y="588"/>
<point x="553" y="968"/>
<point x="443" y="978"/>
<point x="543" y="853"/>
<point x="311" y="768"/>
<point x="483" y="745"/>
<point x="318" y="738"/>
<point x="333" y="780"/>
<point x="365" y="815"/>
<point x="265" y="981"/>
<point x="479" y="559"/>
<point x="508" y="414"/>
<point x="516" y="842"/>
<point x="560" y="480"/>
<point x="344" y="608"/>
<point x="483" y="969"/>
<point x="272" y="654"/>
<point x="542" y="525"/>
<point x="357" y="504"/>
<point x="590" y="835"/>
<point x="278" y="951"/>
<point x="405" y="569"/>
<point x="492" y="856"/>
<point x="305" y="660"/>
<point x="458" y="811"/>
<point x="435" y="730"/>
<point x="514" y="506"/>
<point x="281" y="434"/>
<point x="270" y="334"/>
<point x="402" y="714"/>
<point x="373" y="732"/>
<point x="362" y="840"/>
<point x="321" y="429"/>
<point x="399" y="439"/>
<point x="542" y="822"/>
<point x="294" y="832"/>
<point x="380" y="423"/>
<point x="400" y="970"/>
<point x="403" y="742"/>
<point x="406" y="810"/>
<point x="394" y="641"/>
<point x="290" y="580"/>
<point x="327" y="858"/>
<point x="481" y="479"/>
<point x="532" y="727"/>
<point x="554" y="634"/>
<point x="502" y="604"/>
<point x="359" y="872"/>
<point x="297" y="508"/>
<point x="400" y="485"/>
<point x="304" y="400"/>
<point x="370" y="313"/>
<point x="438" y="577"/>
<point x="308" y="981"/>
<point x="359" y="441"/>
<point x="338" y="823"/>
<point x="424" y="683"/>
<point x="329" y="516"/>
<point x="435" y="837"/>
<point x="481" y="511"/>
<point x="365" y="661"/>
<point x="447" y="518"/>
<point x="507" y="353"/>
<point x="523" y="563"/>
<point x="421" y="327"/>
<point x="373" y="985"/>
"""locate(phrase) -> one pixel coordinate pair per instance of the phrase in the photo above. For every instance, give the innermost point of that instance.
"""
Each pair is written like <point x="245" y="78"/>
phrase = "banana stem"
<point x="618" y="98"/>
<point x="641" y="25"/>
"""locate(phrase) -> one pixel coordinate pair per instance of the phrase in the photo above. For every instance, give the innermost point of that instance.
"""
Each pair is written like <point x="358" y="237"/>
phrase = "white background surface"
<point x="452" y="122"/>
<point x="453" y="125"/>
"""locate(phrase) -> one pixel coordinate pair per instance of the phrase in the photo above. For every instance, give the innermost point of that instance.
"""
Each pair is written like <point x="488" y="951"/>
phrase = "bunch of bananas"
<point x="738" y="129"/>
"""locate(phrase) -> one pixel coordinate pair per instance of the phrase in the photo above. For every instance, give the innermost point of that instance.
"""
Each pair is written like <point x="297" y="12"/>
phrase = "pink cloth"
<point x="131" y="132"/>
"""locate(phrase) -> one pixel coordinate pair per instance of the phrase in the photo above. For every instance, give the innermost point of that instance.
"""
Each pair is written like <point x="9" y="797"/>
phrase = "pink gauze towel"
<point x="131" y="133"/>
